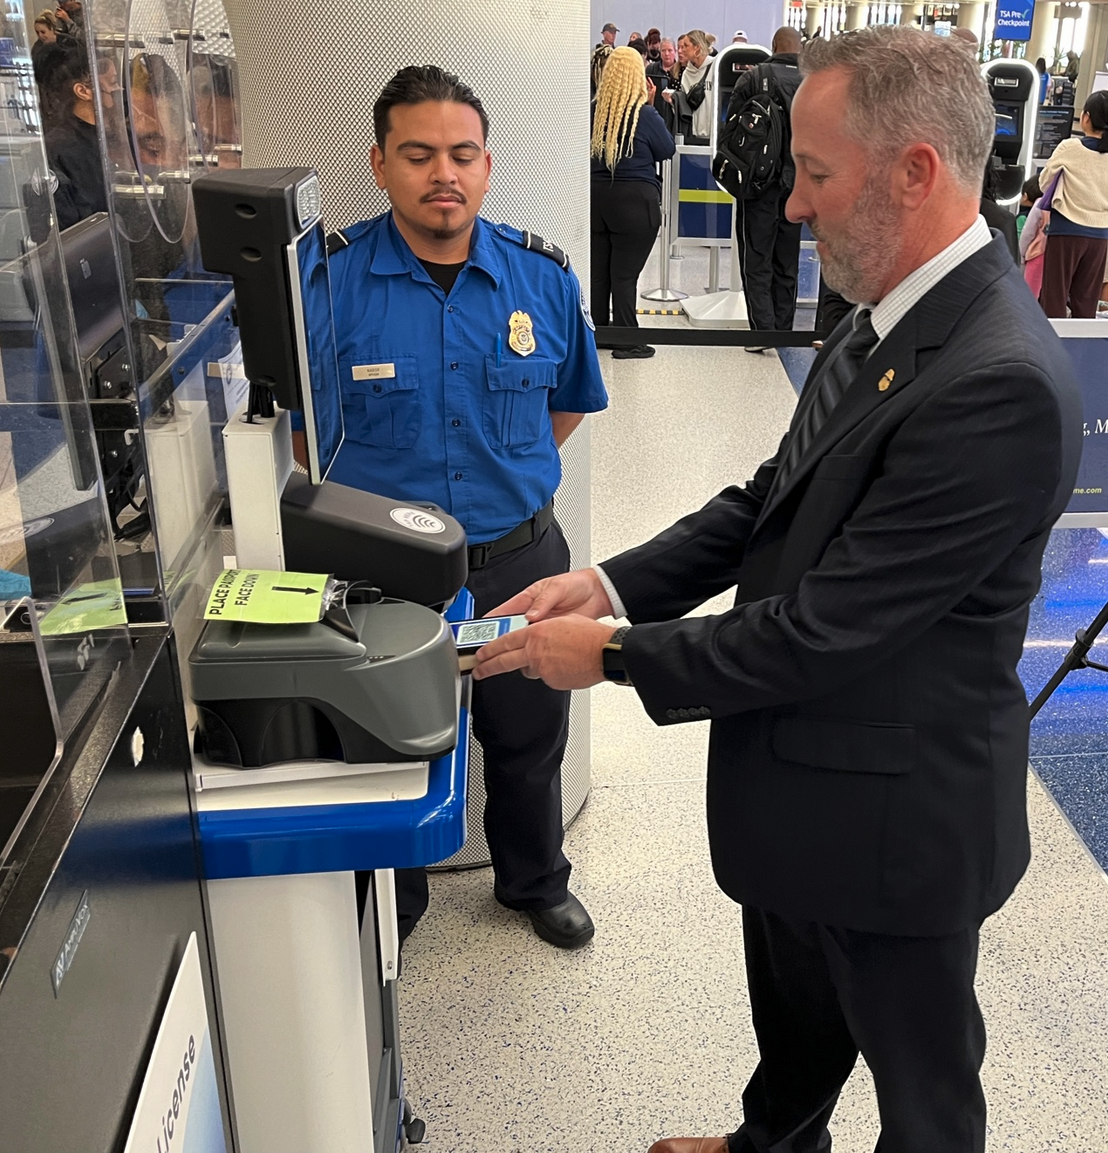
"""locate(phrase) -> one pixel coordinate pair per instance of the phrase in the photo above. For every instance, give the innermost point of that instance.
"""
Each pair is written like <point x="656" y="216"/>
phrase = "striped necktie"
<point x="837" y="376"/>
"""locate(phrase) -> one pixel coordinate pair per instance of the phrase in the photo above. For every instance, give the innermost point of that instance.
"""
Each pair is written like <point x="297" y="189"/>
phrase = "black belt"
<point x="531" y="529"/>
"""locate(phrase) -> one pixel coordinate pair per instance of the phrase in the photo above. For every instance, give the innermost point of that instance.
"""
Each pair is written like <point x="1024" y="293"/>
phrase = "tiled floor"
<point x="514" y="1047"/>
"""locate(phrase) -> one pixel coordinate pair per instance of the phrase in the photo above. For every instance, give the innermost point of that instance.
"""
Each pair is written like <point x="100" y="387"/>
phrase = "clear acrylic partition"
<point x="168" y="108"/>
<point x="55" y="538"/>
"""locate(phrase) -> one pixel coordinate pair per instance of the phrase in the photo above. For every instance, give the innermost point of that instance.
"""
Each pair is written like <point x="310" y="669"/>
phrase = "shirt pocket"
<point x="384" y="411"/>
<point x="518" y="401"/>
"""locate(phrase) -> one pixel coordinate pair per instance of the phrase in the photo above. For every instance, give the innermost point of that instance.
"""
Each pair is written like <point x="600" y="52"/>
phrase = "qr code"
<point x="479" y="633"/>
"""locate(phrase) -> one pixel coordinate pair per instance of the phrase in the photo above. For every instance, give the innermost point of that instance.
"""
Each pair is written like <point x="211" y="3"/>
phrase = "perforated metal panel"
<point x="308" y="88"/>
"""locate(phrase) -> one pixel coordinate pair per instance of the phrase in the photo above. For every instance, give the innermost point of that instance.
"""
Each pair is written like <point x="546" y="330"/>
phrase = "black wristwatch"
<point x="612" y="657"/>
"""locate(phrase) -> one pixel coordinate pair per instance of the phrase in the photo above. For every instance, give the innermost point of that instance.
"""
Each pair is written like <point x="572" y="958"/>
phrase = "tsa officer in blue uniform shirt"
<point x="466" y="357"/>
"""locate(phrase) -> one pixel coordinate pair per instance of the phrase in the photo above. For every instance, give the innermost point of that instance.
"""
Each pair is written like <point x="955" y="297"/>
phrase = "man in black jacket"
<point x="867" y="765"/>
<point x="769" y="243"/>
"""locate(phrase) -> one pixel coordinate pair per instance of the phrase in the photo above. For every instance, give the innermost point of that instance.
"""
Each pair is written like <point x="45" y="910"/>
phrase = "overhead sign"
<point x="265" y="597"/>
<point x="1013" y="19"/>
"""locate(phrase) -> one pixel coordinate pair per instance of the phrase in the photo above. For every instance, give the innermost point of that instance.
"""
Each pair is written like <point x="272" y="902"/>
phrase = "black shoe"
<point x="755" y="348"/>
<point x="567" y="925"/>
<point x="635" y="352"/>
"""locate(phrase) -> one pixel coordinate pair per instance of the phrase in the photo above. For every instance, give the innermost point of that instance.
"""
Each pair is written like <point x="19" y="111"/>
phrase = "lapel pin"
<point x="886" y="380"/>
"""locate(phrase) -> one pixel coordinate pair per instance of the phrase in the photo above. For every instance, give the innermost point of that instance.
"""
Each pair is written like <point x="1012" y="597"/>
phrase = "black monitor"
<point x="263" y="227"/>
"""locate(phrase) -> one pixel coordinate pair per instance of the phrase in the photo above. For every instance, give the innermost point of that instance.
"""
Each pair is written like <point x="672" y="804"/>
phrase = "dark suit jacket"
<point x="868" y="754"/>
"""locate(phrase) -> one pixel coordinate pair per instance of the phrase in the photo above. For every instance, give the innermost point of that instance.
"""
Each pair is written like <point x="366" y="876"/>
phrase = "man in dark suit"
<point x="868" y="755"/>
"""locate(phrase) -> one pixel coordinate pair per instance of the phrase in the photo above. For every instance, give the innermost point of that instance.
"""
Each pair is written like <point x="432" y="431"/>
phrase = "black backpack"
<point x="752" y="150"/>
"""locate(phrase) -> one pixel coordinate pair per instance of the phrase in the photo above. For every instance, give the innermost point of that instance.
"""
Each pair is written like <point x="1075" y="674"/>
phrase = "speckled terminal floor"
<point x="512" y="1046"/>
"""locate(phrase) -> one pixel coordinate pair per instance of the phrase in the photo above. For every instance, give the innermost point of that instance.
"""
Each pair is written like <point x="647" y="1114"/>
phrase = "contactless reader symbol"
<point x="418" y="520"/>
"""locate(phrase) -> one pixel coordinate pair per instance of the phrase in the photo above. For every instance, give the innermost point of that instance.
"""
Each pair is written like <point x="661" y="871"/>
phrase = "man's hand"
<point x="579" y="592"/>
<point x="565" y="653"/>
<point x="650" y="90"/>
<point x="667" y="95"/>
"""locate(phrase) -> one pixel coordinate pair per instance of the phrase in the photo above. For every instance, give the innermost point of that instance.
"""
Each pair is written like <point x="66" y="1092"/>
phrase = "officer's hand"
<point x="578" y="592"/>
<point x="565" y="653"/>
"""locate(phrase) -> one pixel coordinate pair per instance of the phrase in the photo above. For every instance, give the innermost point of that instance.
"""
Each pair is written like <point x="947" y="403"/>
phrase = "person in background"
<point x="71" y="141"/>
<point x="693" y="111"/>
<point x="46" y="35"/>
<point x="653" y="39"/>
<point x="639" y="45"/>
<point x="1028" y="195"/>
<point x="740" y="37"/>
<point x="1073" y="66"/>
<point x="1044" y="78"/>
<point x="867" y="760"/>
<point x="467" y="359"/>
<point x="608" y="35"/>
<point x="1033" y="242"/>
<point x="664" y="73"/>
<point x="1077" y="238"/>
<point x="70" y="19"/>
<point x="629" y="140"/>
<point x="712" y="39"/>
<point x="596" y="66"/>
<point x="769" y="243"/>
<point x="995" y="216"/>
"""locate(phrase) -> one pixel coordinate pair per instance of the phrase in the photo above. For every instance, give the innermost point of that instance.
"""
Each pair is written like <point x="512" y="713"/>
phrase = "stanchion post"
<point x="663" y="292"/>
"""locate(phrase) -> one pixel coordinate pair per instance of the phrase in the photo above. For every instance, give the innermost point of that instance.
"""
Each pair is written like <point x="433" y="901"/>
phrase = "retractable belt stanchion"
<point x="664" y="292"/>
<point x="705" y="218"/>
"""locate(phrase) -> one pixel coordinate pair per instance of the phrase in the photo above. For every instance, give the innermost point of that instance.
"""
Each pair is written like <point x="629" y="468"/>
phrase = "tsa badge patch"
<point x="521" y="336"/>
<point x="585" y="311"/>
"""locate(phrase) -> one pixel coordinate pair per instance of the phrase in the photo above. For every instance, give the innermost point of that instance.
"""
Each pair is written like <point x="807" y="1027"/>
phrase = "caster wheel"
<point x="415" y="1130"/>
<point x="406" y="1114"/>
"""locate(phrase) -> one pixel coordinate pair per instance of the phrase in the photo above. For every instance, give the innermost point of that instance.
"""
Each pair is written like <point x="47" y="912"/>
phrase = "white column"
<point x="911" y="13"/>
<point x="856" y="17"/>
<point x="1044" y="32"/>
<point x="972" y="16"/>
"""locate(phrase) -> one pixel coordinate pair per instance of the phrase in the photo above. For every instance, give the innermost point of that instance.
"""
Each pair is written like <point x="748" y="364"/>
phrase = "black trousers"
<point x="625" y="218"/>
<point x="821" y="995"/>
<point x="769" y="257"/>
<point x="522" y="726"/>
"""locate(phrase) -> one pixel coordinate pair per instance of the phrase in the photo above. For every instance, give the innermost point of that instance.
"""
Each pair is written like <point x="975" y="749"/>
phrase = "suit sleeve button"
<point x="683" y="714"/>
<point x="671" y="714"/>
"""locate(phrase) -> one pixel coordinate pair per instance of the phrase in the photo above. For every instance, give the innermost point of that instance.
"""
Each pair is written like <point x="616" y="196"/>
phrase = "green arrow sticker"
<point x="263" y="597"/>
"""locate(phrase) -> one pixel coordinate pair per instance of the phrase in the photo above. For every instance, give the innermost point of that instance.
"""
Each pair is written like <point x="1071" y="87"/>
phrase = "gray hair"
<point x="906" y="86"/>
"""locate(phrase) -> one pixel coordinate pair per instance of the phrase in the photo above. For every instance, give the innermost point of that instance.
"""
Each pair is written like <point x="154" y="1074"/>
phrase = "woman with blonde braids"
<point x="629" y="139"/>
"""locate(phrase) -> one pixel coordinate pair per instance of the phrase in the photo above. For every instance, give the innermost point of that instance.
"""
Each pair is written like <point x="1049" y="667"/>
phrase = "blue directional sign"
<point x="1013" y="19"/>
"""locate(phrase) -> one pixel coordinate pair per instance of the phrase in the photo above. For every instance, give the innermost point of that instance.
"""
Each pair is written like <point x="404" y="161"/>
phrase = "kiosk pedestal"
<point x="308" y="996"/>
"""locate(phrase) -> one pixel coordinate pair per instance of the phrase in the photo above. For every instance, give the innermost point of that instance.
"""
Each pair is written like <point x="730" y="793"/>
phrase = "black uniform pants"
<point x="522" y="726"/>
<point x="769" y="257"/>
<point x="820" y="995"/>
<point x="625" y="218"/>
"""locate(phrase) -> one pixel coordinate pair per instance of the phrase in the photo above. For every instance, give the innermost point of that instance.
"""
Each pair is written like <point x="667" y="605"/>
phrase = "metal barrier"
<point x="705" y="216"/>
<point x="663" y="291"/>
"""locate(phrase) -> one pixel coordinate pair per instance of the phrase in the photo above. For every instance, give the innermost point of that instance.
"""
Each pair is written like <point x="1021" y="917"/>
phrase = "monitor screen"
<point x="317" y="364"/>
<point x="1007" y="119"/>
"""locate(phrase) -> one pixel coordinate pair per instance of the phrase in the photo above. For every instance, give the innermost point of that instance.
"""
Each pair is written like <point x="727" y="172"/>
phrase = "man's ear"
<point x="916" y="174"/>
<point x="82" y="89"/>
<point x="377" y="163"/>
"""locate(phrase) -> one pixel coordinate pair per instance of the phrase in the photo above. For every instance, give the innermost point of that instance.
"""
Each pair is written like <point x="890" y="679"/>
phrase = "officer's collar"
<point x="394" y="257"/>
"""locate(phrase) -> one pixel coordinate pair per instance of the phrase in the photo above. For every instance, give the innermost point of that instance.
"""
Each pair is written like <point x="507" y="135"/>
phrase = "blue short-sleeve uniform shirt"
<point x="438" y="405"/>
